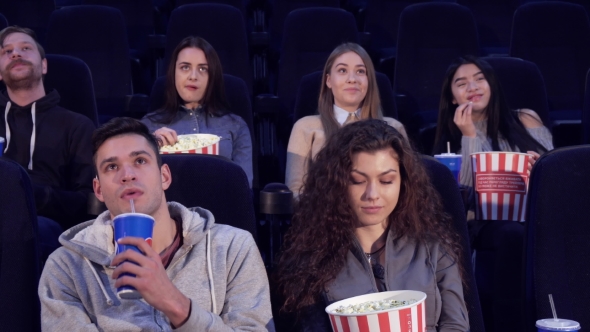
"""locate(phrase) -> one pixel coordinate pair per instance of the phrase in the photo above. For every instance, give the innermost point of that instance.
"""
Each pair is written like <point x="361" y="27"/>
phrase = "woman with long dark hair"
<point x="348" y="93"/>
<point x="369" y="220"/>
<point x="474" y="117"/>
<point x="196" y="103"/>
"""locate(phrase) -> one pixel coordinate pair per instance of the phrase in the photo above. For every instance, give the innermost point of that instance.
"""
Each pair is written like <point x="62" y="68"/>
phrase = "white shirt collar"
<point x="341" y="115"/>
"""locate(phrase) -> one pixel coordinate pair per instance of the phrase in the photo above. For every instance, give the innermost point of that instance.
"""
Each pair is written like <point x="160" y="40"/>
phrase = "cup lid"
<point x="127" y="214"/>
<point x="558" y="324"/>
<point x="446" y="155"/>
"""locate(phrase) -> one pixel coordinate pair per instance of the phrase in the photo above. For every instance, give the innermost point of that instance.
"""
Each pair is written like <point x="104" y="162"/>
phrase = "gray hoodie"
<point x="218" y="268"/>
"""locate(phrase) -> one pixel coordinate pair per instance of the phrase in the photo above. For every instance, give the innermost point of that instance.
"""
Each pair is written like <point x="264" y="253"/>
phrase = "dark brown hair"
<point x="371" y="105"/>
<point x="14" y="29"/>
<point x="123" y="126"/>
<point x="501" y="121"/>
<point x="323" y="226"/>
<point x="214" y="99"/>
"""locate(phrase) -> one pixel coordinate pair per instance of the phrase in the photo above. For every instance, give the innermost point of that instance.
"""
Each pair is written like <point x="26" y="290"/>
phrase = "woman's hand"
<point x="464" y="121"/>
<point x="532" y="159"/>
<point x="167" y="136"/>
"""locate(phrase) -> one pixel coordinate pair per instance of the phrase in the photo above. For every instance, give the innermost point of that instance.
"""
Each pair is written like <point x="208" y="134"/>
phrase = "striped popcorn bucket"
<point x="410" y="318"/>
<point x="209" y="149"/>
<point x="500" y="181"/>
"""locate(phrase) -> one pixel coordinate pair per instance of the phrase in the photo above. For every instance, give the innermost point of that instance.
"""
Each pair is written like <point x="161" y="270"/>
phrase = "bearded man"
<point x="52" y="143"/>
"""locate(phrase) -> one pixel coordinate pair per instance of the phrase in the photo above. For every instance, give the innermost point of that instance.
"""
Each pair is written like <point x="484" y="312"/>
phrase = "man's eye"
<point x="111" y="167"/>
<point x="26" y="48"/>
<point x="141" y="161"/>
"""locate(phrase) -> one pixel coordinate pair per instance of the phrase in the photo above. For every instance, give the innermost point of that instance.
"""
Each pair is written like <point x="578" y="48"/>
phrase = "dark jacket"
<point x="56" y="151"/>
<point x="426" y="268"/>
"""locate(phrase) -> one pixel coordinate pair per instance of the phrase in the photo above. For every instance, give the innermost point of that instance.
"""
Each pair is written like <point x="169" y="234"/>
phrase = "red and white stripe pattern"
<point x="210" y="149"/>
<point x="500" y="180"/>
<point x="411" y="319"/>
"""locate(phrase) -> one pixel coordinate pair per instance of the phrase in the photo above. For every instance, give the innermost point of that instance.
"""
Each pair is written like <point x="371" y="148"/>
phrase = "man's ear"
<point x="44" y="65"/>
<point x="166" y="176"/>
<point x="97" y="189"/>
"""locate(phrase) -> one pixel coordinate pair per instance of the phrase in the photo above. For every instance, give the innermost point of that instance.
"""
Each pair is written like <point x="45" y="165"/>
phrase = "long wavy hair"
<point x="323" y="226"/>
<point x="371" y="105"/>
<point x="214" y="100"/>
<point x="501" y="120"/>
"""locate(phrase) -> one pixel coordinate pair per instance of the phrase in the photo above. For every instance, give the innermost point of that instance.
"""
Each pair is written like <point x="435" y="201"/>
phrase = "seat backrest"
<point x="32" y="14"/>
<point x="236" y="91"/>
<point x="494" y="23"/>
<point x="3" y="22"/>
<point x="310" y="35"/>
<point x="279" y="11"/>
<point x="308" y="93"/>
<point x="96" y="35"/>
<point x="556" y="240"/>
<point x="222" y="26"/>
<point x="431" y="36"/>
<point x="19" y="256"/>
<point x="522" y="84"/>
<point x="213" y="183"/>
<point x="72" y="79"/>
<point x="139" y="20"/>
<point x="556" y="37"/>
<point x="586" y="112"/>
<point x="239" y="4"/>
<point x="446" y="185"/>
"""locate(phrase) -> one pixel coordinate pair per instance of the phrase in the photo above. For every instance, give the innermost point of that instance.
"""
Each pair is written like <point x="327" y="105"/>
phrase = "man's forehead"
<point x="18" y="37"/>
<point x="124" y="145"/>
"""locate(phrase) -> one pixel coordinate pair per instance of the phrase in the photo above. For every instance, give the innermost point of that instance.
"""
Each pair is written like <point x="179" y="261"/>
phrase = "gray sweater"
<point x="424" y="267"/>
<point x="77" y="292"/>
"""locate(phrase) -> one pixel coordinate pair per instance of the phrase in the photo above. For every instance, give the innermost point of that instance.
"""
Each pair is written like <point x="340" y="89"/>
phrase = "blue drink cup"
<point x="452" y="161"/>
<point x="137" y="225"/>
<point x="557" y="324"/>
<point x="1" y="146"/>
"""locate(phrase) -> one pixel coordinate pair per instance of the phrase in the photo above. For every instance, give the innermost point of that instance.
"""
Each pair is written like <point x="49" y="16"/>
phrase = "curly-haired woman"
<point x="369" y="220"/>
<point x="348" y="93"/>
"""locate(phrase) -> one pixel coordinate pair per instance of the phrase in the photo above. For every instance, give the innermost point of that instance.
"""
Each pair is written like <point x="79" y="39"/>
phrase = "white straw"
<point x="449" y="147"/>
<point x="132" y="206"/>
<point x="552" y="307"/>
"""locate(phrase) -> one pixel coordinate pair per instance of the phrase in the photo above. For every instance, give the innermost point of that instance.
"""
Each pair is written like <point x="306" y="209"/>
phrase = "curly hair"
<point x="323" y="225"/>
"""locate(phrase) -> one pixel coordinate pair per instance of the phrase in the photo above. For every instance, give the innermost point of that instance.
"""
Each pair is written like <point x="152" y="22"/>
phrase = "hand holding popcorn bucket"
<point x="394" y="311"/>
<point x="193" y="143"/>
<point x="500" y="181"/>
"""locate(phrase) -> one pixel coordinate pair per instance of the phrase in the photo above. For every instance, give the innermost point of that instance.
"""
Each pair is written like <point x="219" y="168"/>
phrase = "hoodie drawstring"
<point x="7" y="126"/>
<point x="210" y="272"/>
<point x="104" y="291"/>
<point x="33" y="135"/>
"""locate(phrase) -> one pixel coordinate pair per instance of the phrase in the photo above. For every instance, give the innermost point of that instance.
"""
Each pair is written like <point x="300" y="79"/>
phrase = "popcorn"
<point x="371" y="306"/>
<point x="191" y="142"/>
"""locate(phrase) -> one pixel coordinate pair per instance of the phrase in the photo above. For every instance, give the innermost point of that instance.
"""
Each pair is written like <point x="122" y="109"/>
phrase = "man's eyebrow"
<point x="139" y="152"/>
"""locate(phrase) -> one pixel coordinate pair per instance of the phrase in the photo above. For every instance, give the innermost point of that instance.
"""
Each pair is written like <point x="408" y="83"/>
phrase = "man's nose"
<point x="128" y="174"/>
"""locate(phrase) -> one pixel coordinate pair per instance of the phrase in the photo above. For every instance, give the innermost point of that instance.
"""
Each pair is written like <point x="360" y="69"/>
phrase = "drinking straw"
<point x="552" y="307"/>
<point x="449" y="147"/>
<point x="132" y="206"/>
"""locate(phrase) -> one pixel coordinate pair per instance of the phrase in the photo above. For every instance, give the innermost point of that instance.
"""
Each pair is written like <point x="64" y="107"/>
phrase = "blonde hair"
<point x="370" y="106"/>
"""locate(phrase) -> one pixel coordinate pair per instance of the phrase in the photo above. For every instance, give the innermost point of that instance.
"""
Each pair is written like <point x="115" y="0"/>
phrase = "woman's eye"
<point x="204" y="69"/>
<point x="184" y="68"/>
<point x="342" y="70"/>
<point x="387" y="182"/>
<point x="481" y="79"/>
<point x="361" y="71"/>
<point x="461" y="85"/>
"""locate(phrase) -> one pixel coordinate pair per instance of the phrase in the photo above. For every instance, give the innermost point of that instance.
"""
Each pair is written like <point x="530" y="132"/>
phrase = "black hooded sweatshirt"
<point x="54" y="146"/>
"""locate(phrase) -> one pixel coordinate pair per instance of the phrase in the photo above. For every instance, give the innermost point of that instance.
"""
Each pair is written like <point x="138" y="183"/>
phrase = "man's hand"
<point x="167" y="135"/>
<point x="151" y="280"/>
<point x="464" y="121"/>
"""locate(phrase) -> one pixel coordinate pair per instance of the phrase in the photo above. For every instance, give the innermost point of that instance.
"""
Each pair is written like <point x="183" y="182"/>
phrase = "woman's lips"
<point x="371" y="209"/>
<point x="475" y="98"/>
<point x="191" y="87"/>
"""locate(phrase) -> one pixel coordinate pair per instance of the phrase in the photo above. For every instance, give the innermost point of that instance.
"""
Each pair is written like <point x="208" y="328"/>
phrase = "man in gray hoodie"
<point x="196" y="276"/>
